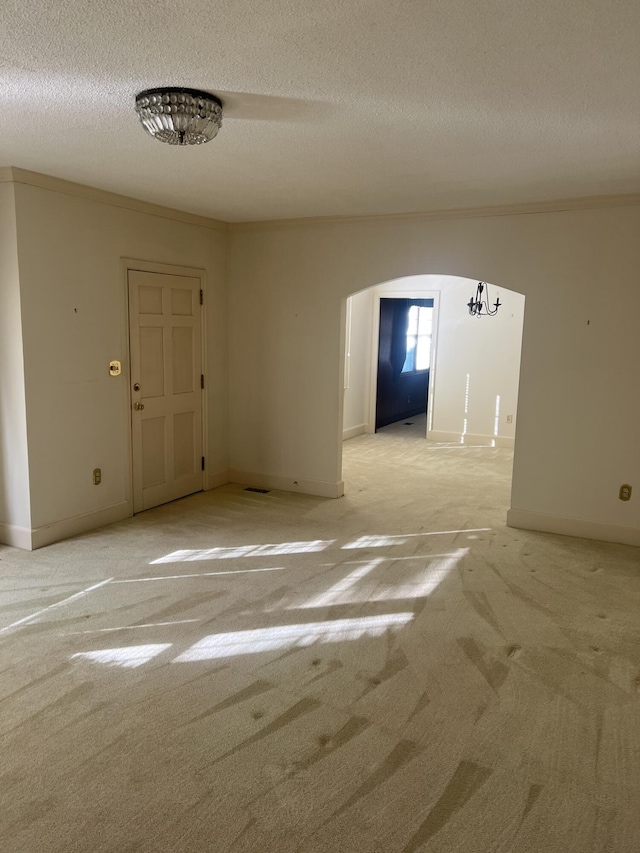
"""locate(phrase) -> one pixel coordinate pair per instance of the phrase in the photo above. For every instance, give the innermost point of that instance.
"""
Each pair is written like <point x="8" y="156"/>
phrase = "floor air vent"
<point x="260" y="491"/>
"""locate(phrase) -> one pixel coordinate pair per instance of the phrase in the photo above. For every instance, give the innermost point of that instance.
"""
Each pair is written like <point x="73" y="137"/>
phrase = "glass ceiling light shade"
<point x="179" y="116"/>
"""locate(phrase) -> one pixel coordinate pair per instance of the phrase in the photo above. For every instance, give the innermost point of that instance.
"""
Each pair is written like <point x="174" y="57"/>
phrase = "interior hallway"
<point x="392" y="671"/>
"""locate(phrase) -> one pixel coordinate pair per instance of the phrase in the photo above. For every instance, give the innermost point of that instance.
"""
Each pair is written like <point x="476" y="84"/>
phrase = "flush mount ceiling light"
<point x="479" y="307"/>
<point x="179" y="116"/>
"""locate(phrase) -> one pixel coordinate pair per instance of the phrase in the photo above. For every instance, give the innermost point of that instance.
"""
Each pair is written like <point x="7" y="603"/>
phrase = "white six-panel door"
<point x="166" y="395"/>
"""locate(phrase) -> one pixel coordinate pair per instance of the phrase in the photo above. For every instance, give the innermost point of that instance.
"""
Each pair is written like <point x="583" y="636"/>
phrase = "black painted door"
<point x="401" y="389"/>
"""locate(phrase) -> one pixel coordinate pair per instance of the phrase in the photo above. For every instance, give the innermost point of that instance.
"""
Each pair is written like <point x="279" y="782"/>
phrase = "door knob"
<point x="138" y="406"/>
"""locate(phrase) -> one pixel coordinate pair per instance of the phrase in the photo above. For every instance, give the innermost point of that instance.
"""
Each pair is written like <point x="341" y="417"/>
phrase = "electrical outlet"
<point x="625" y="492"/>
<point x="97" y="476"/>
<point x="509" y="419"/>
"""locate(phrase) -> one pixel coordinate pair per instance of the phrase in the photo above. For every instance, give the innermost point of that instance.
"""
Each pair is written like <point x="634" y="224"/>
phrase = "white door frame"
<point x="405" y="293"/>
<point x="127" y="264"/>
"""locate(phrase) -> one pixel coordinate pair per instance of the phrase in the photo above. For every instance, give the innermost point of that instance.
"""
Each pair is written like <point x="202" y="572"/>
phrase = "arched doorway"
<point x="473" y="364"/>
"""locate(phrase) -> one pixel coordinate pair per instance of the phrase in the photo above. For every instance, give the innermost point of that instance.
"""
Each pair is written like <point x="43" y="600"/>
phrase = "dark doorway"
<point x="404" y="348"/>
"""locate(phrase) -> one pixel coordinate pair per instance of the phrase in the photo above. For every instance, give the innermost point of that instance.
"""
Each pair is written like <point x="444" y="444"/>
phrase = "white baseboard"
<point x="440" y="435"/>
<point x="217" y="479"/>
<point x="603" y="532"/>
<point x="49" y="533"/>
<point x="471" y="439"/>
<point x="287" y="484"/>
<point x="352" y="432"/>
<point x="17" y="537"/>
<point x="505" y="441"/>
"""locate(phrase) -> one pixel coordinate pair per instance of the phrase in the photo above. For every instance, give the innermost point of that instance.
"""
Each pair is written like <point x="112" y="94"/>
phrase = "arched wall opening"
<point x="473" y="369"/>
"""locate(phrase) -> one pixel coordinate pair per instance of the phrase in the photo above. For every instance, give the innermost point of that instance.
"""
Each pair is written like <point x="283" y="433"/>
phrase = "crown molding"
<point x="59" y="185"/>
<point x="12" y="174"/>
<point x="520" y="209"/>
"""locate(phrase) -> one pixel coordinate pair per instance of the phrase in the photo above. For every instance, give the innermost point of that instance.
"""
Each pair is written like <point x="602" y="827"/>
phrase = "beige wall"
<point x="477" y="364"/>
<point x="275" y="337"/>
<point x="578" y="406"/>
<point x="357" y="392"/>
<point x="15" y="515"/>
<point x="74" y="322"/>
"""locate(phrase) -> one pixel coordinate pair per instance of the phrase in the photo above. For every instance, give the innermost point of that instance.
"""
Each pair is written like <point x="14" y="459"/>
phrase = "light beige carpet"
<point x="392" y="671"/>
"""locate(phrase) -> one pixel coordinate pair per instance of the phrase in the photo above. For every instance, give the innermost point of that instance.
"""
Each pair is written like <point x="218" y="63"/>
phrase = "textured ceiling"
<point x="343" y="107"/>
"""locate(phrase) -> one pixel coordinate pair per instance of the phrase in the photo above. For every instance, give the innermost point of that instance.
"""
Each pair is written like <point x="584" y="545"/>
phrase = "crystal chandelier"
<point x="479" y="307"/>
<point x="179" y="116"/>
